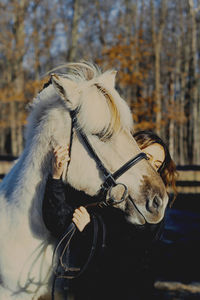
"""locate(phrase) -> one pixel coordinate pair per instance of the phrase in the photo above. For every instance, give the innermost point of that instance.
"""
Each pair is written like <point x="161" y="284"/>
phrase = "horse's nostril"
<point x="156" y="202"/>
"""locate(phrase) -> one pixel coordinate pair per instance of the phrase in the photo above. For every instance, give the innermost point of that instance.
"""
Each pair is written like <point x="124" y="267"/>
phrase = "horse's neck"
<point x="27" y="178"/>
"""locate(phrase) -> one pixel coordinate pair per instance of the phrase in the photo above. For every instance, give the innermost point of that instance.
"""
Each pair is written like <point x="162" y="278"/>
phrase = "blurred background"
<point x="155" y="47"/>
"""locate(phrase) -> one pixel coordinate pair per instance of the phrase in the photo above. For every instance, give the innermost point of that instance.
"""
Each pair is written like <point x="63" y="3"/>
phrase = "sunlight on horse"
<point x="26" y="252"/>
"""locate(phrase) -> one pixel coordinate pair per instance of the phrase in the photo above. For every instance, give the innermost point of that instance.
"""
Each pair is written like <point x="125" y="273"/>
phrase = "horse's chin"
<point x="133" y="215"/>
<point x="136" y="219"/>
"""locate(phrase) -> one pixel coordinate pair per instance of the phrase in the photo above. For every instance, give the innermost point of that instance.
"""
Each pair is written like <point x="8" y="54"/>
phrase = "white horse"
<point x="25" y="253"/>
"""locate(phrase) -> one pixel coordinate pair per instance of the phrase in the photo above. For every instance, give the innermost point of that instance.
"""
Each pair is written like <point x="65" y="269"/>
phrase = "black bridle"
<point x="109" y="178"/>
<point x="105" y="199"/>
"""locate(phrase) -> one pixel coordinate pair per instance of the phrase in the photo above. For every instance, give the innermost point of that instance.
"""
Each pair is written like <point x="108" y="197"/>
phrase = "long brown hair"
<point x="167" y="170"/>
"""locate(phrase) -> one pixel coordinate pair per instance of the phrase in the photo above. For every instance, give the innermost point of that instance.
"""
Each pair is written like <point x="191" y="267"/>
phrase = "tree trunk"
<point x="13" y="127"/>
<point x="101" y="23"/>
<point x="171" y="120"/>
<point x="132" y="35"/>
<point x="184" y="71"/>
<point x="2" y="127"/>
<point x="157" y="45"/>
<point x="74" y="32"/>
<point x="19" y="36"/>
<point x="36" y="43"/>
<point x="19" y="132"/>
<point x="195" y="97"/>
<point x="178" y="152"/>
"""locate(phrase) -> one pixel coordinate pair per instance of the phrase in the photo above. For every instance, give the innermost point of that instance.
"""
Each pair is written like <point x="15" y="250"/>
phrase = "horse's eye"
<point x="99" y="135"/>
<point x="103" y="135"/>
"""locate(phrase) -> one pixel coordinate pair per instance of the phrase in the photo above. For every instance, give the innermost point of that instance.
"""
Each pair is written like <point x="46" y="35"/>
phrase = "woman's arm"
<point x="58" y="211"/>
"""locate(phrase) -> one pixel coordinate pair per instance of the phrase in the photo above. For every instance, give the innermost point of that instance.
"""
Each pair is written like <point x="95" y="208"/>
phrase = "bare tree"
<point x="74" y="31"/>
<point x="194" y="92"/>
<point x="157" y="45"/>
<point x="183" y="67"/>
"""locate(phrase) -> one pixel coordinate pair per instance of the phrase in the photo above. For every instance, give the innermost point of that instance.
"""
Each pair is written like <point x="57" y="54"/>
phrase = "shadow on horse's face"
<point x="149" y="203"/>
<point x="104" y="117"/>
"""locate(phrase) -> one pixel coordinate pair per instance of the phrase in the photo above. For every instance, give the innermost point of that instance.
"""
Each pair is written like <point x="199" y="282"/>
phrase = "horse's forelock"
<point x="115" y="123"/>
<point x="79" y="72"/>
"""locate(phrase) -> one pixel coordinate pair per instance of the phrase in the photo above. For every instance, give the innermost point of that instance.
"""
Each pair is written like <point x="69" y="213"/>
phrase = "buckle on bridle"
<point x="108" y="183"/>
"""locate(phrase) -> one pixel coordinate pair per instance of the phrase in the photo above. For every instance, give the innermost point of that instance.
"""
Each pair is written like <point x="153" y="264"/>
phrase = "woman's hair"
<point x="167" y="170"/>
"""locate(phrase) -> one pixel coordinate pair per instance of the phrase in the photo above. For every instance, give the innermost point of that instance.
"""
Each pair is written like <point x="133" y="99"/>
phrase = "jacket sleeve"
<point x="56" y="210"/>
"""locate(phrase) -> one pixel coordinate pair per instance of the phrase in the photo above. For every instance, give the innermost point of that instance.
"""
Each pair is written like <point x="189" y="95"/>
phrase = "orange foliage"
<point x="9" y="94"/>
<point x="132" y="62"/>
<point x="128" y="58"/>
<point x="143" y="113"/>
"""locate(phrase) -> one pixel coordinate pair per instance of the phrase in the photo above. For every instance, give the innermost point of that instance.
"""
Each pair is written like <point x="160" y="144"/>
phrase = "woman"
<point x="159" y="157"/>
<point x="121" y="271"/>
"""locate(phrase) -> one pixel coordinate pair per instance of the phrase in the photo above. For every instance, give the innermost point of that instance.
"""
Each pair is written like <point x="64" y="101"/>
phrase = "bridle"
<point x="105" y="199"/>
<point x="109" y="182"/>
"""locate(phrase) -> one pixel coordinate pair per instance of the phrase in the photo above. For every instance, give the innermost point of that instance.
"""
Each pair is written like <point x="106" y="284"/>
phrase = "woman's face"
<point x="155" y="154"/>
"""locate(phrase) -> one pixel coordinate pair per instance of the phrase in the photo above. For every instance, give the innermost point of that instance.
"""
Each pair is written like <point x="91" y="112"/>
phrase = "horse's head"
<point x="106" y="120"/>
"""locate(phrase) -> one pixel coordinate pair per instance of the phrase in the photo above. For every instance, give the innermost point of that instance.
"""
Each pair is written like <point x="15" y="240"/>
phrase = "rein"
<point x="61" y="257"/>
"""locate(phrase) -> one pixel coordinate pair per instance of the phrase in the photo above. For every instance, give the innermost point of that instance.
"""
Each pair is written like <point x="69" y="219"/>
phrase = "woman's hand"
<point x="61" y="156"/>
<point x="81" y="218"/>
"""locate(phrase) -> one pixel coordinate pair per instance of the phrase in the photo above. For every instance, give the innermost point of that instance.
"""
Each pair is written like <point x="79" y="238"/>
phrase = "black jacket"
<point x="127" y="257"/>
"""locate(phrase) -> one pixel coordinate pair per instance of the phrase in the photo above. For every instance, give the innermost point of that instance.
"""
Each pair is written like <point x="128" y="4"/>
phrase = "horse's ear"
<point x="64" y="87"/>
<point x="108" y="78"/>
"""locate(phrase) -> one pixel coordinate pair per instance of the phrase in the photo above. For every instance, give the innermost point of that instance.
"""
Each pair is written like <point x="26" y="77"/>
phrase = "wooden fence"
<point x="188" y="180"/>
